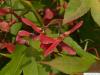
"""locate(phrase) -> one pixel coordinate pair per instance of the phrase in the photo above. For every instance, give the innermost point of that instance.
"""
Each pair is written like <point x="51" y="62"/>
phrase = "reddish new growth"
<point x="9" y="46"/>
<point x="48" y="15"/>
<point x="5" y="26"/>
<point x="62" y="5"/>
<point x="51" y="73"/>
<point x="48" y="44"/>
<point x="1" y="1"/>
<point x="20" y="36"/>
<point x="4" y="11"/>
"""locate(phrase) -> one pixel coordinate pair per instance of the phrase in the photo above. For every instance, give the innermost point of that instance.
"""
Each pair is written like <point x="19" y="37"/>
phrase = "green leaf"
<point x="42" y="70"/>
<point x="38" y="5"/>
<point x="76" y="9"/>
<point x="15" y="28"/>
<point x="28" y="5"/>
<point x="51" y="34"/>
<point x="30" y="64"/>
<point x="70" y="64"/>
<point x="61" y="2"/>
<point x="16" y="4"/>
<point x="5" y="55"/>
<point x="14" y="66"/>
<point x="95" y="10"/>
<point x="35" y="44"/>
<point x="31" y="68"/>
<point x="32" y="17"/>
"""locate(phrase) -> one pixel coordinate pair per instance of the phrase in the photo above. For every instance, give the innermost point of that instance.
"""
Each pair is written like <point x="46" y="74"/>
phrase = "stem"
<point x="29" y="5"/>
<point x="55" y="21"/>
<point x="11" y="9"/>
<point x="39" y="18"/>
<point x="65" y="34"/>
<point x="16" y="15"/>
<point x="86" y="45"/>
<point x="6" y="55"/>
<point x="19" y="9"/>
<point x="24" y="12"/>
